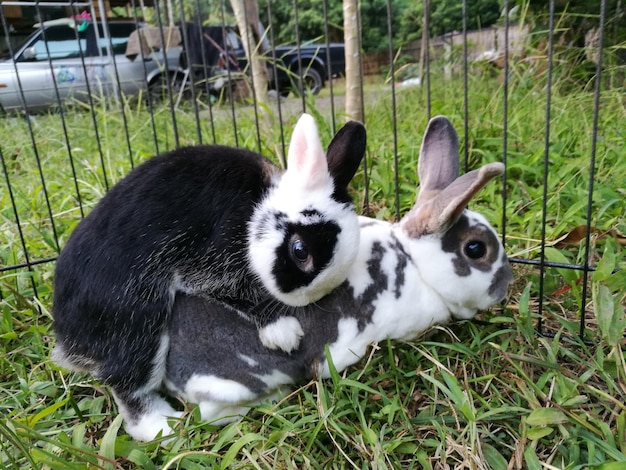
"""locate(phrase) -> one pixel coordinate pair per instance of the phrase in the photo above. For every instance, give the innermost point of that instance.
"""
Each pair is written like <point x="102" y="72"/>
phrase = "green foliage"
<point x="576" y="35"/>
<point x="576" y="17"/>
<point x="311" y="21"/>
<point x="406" y="24"/>
<point x="447" y="16"/>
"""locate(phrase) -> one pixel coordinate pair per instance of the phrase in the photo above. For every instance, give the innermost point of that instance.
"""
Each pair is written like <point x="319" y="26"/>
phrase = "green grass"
<point x="489" y="395"/>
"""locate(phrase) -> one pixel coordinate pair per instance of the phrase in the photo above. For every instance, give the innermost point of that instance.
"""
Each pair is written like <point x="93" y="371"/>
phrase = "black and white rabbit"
<point x="439" y="263"/>
<point x="179" y="223"/>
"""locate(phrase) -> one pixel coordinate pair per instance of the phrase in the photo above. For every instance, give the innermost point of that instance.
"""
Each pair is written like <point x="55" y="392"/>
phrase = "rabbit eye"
<point x="475" y="249"/>
<point x="299" y="250"/>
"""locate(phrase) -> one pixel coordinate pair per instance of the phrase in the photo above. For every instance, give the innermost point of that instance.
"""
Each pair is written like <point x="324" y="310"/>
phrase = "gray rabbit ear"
<point x="438" y="164"/>
<point x="346" y="151"/>
<point x="443" y="195"/>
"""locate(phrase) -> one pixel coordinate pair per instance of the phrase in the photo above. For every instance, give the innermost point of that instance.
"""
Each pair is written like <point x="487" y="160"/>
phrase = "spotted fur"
<point x="406" y="277"/>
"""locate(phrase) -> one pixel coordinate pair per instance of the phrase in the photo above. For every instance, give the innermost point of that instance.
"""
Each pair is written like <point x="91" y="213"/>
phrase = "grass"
<point x="492" y="394"/>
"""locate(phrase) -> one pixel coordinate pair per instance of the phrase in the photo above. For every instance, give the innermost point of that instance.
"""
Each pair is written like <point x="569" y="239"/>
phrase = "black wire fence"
<point x="56" y="163"/>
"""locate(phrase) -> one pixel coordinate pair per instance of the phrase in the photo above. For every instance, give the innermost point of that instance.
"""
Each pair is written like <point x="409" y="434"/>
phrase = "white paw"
<point x="285" y="333"/>
<point x="150" y="424"/>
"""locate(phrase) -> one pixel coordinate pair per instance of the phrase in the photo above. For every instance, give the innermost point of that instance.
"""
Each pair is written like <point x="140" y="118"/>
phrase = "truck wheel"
<point x="312" y="82"/>
<point x="158" y="88"/>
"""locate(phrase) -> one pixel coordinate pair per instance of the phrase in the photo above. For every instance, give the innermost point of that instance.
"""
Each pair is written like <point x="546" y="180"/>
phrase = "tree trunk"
<point x="253" y="39"/>
<point x="169" y="12"/>
<point x="354" y="106"/>
<point x="247" y="15"/>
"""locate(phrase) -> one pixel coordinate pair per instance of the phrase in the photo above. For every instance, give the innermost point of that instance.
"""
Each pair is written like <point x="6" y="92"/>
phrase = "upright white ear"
<point x="306" y="160"/>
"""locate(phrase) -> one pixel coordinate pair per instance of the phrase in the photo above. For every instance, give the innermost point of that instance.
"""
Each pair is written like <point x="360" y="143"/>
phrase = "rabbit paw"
<point x="285" y="333"/>
<point x="152" y="423"/>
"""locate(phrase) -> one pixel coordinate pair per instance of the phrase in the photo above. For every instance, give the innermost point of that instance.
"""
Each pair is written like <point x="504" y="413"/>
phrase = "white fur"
<point x="221" y="401"/>
<point x="462" y="297"/>
<point x="248" y="360"/>
<point x="201" y="386"/>
<point x="275" y="380"/>
<point x="307" y="184"/>
<point x="154" y="421"/>
<point x="264" y="241"/>
<point x="221" y="413"/>
<point x="432" y="293"/>
<point x="285" y="333"/>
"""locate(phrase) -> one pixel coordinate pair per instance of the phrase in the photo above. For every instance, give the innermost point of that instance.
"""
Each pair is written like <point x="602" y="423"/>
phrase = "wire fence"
<point x="57" y="165"/>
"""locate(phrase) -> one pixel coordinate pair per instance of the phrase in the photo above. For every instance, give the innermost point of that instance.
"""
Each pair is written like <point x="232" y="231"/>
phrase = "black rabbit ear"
<point x="345" y="152"/>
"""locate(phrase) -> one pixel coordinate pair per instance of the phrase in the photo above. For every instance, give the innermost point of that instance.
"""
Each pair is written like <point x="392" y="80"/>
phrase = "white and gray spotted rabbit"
<point x="178" y="223"/>
<point x="439" y="263"/>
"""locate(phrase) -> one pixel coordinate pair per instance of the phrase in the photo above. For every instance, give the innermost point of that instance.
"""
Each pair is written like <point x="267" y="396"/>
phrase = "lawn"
<point x="490" y="393"/>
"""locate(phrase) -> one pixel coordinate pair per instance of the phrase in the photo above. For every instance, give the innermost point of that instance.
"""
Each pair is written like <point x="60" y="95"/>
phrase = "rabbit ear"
<point x="443" y="195"/>
<point x="346" y="151"/>
<point x="438" y="164"/>
<point x="306" y="160"/>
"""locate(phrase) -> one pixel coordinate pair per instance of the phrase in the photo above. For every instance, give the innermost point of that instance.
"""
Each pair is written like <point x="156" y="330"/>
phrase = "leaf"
<point x="530" y="457"/>
<point x="555" y="256"/>
<point x="546" y="417"/>
<point x="534" y="434"/>
<point x="459" y="396"/>
<point x="493" y="457"/>
<point x="132" y="452"/>
<point x="610" y="466"/>
<point x="609" y="314"/>
<point x="606" y="265"/>
<point x="579" y="233"/>
<point x="407" y="448"/>
<point x="621" y="431"/>
<point x="32" y="420"/>
<point x="573" y="237"/>
<point x="233" y="450"/>
<point x="107" y="446"/>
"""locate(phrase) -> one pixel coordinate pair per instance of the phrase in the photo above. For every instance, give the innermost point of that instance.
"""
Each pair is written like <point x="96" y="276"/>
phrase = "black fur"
<point x="181" y="212"/>
<point x="178" y="222"/>
<point x="317" y="237"/>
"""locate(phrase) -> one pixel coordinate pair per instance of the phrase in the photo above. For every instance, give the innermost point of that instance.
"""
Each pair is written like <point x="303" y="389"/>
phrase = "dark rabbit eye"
<point x="475" y="249"/>
<point x="299" y="250"/>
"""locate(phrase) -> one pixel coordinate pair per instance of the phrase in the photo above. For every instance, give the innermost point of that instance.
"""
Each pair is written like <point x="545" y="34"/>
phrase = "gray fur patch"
<point x="461" y="233"/>
<point x="403" y="259"/>
<point x="501" y="280"/>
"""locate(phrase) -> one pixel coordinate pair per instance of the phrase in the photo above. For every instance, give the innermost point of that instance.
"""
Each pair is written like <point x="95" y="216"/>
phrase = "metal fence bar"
<point x="28" y="265"/>
<point x="546" y="168"/>
<point x="230" y="91"/>
<point x="328" y="66"/>
<point x="394" y="117"/>
<point x="505" y="119"/>
<point x="592" y="166"/>
<point x="465" y="92"/>
<point x="275" y="75"/>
